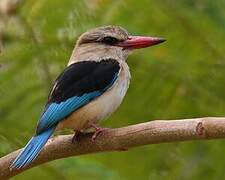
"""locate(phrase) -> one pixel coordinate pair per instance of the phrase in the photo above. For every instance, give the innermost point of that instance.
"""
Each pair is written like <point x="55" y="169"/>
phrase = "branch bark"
<point x="158" y="131"/>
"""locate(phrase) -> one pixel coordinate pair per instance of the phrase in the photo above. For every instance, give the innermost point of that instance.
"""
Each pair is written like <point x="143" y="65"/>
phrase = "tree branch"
<point x="159" y="131"/>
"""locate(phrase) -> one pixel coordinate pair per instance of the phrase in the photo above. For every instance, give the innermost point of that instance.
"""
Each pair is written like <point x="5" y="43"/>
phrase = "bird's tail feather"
<point x="32" y="149"/>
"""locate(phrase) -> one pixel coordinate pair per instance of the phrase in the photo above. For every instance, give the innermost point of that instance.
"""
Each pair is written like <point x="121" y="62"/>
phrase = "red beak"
<point x="137" y="42"/>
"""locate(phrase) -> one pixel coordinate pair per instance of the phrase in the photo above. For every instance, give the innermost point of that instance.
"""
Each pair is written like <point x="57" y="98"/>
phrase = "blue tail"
<point x="32" y="149"/>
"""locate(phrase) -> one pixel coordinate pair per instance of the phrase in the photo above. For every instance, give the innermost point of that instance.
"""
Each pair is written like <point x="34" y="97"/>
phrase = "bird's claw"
<point x="98" y="131"/>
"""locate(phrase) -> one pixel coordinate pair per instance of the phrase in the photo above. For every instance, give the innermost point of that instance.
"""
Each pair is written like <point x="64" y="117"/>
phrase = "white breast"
<point x="101" y="107"/>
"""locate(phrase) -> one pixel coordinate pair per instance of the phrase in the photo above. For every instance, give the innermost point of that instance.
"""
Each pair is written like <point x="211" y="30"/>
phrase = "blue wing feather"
<point x="58" y="111"/>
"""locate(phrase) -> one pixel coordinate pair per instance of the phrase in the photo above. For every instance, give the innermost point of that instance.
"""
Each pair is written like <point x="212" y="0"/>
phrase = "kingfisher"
<point x="90" y="88"/>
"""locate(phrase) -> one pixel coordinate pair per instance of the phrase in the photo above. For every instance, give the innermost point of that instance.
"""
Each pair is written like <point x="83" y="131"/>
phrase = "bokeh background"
<point x="181" y="78"/>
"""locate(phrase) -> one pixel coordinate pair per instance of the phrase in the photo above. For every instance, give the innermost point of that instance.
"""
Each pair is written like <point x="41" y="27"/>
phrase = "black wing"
<point x="76" y="86"/>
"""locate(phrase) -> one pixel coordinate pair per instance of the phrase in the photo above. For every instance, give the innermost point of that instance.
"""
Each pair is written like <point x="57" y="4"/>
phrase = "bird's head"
<point x="109" y="42"/>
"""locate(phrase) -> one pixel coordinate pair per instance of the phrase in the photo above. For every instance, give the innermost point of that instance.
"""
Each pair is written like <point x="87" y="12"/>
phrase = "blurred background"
<point x="181" y="78"/>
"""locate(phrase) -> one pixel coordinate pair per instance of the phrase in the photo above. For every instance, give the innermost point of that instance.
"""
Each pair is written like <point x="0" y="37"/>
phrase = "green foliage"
<point x="181" y="78"/>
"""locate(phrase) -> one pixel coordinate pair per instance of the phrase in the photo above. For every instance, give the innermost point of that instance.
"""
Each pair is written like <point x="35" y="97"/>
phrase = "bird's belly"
<point x="98" y="109"/>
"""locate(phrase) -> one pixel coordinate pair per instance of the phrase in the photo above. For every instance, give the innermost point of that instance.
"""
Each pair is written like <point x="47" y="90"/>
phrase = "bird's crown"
<point x="105" y="34"/>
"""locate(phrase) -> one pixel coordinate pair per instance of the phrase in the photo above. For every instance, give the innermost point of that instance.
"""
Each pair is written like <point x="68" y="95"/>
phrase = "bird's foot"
<point x="98" y="131"/>
<point x="76" y="136"/>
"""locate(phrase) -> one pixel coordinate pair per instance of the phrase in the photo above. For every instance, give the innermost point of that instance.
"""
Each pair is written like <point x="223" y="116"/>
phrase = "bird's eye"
<point x="109" y="40"/>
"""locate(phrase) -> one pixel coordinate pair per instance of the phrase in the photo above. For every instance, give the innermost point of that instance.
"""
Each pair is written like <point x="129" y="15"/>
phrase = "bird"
<point x="90" y="88"/>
